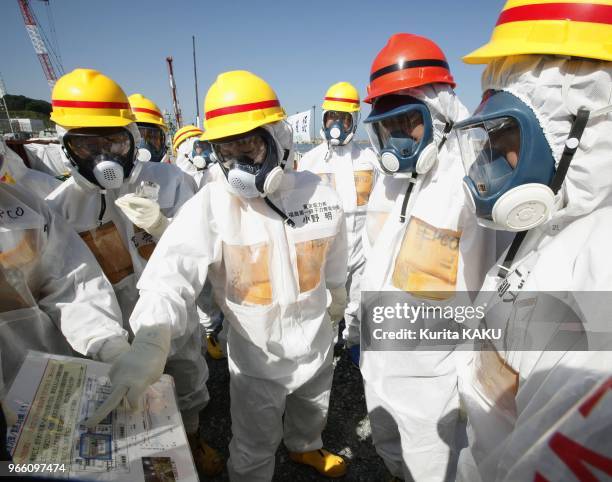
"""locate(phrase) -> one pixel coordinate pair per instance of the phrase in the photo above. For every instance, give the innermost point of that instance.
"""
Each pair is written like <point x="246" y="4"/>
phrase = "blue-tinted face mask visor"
<point x="201" y="154"/>
<point x="402" y="132"/>
<point x="337" y="126"/>
<point x="153" y="139"/>
<point x="502" y="147"/>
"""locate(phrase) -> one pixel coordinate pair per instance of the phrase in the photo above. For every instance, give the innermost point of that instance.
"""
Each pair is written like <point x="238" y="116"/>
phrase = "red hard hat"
<point x="407" y="61"/>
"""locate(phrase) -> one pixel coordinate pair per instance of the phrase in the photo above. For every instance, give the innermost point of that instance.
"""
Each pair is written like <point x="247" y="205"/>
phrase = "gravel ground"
<point x="347" y="432"/>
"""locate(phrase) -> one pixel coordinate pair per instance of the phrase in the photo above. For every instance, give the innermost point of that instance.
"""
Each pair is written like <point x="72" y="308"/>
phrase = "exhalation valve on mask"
<point x="109" y="174"/>
<point x="243" y="181"/>
<point x="199" y="162"/>
<point x="425" y="161"/>
<point x="143" y="155"/>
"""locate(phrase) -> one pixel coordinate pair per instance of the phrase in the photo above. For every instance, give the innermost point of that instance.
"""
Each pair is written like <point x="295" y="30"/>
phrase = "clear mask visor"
<point x="251" y="149"/>
<point x="88" y="146"/>
<point x="402" y="132"/>
<point x="490" y="153"/>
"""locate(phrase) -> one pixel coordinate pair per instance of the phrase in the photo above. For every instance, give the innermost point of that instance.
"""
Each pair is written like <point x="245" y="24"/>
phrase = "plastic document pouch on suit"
<point x="53" y="395"/>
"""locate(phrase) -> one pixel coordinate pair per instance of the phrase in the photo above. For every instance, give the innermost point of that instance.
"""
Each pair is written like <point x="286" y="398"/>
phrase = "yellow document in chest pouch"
<point x="363" y="186"/>
<point x="311" y="256"/>
<point x="107" y="246"/>
<point x="248" y="274"/>
<point x="427" y="261"/>
<point x="19" y="255"/>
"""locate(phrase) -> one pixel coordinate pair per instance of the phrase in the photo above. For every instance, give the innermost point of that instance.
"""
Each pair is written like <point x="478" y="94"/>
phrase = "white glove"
<point x="144" y="213"/>
<point x="112" y="349"/>
<point x="338" y="304"/>
<point x="135" y="370"/>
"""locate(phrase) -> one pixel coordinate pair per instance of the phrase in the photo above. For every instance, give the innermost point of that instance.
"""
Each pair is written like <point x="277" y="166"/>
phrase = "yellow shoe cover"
<point x="326" y="463"/>
<point x="207" y="460"/>
<point x="213" y="348"/>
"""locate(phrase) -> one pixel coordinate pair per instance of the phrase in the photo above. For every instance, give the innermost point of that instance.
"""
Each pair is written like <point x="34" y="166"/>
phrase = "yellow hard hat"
<point x="185" y="133"/>
<point x="239" y="102"/>
<point x="341" y="97"/>
<point x="145" y="110"/>
<point x="88" y="98"/>
<point x="578" y="28"/>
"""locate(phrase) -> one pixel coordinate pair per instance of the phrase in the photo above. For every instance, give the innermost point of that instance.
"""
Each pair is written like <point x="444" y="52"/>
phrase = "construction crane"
<point x="40" y="46"/>
<point x="175" y="104"/>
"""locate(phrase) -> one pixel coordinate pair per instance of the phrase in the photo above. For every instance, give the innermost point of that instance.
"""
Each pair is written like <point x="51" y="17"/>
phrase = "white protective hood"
<point x="443" y="104"/>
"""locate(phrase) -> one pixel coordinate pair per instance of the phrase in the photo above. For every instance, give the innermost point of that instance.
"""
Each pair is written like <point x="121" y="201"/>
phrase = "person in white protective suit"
<point x="273" y="245"/>
<point x="538" y="159"/>
<point x="54" y="297"/>
<point x="350" y="170"/>
<point x="182" y="144"/>
<point x="121" y="207"/>
<point x="195" y="158"/>
<point x="48" y="158"/>
<point x="152" y="128"/>
<point x="14" y="171"/>
<point x="422" y="242"/>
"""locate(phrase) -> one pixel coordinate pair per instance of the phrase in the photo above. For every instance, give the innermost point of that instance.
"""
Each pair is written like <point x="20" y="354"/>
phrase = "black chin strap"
<point x="447" y="128"/>
<point x="285" y="157"/>
<point x="571" y="146"/>
<point x="412" y="181"/>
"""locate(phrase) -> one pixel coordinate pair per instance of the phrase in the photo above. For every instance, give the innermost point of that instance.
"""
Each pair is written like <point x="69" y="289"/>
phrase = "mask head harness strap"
<point x="447" y="128"/>
<point x="571" y="146"/>
<point x="284" y="160"/>
<point x="288" y="221"/>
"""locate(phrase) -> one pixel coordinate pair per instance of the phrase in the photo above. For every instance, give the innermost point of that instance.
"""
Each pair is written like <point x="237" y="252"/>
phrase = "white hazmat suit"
<point x="54" y="297"/>
<point x="48" y="158"/>
<point x="412" y="395"/>
<point x="350" y="171"/>
<point x="122" y="249"/>
<point x="518" y="402"/>
<point x="14" y="171"/>
<point x="270" y="280"/>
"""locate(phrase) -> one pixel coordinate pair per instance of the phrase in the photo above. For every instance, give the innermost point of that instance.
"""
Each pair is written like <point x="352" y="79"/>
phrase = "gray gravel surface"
<point x="347" y="432"/>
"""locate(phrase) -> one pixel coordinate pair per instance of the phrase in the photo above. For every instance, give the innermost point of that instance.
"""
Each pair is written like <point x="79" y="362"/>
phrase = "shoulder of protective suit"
<point x="592" y="265"/>
<point x="315" y="155"/>
<point x="366" y="154"/>
<point x="62" y="191"/>
<point x="299" y="179"/>
<point x="161" y="170"/>
<point x="168" y="176"/>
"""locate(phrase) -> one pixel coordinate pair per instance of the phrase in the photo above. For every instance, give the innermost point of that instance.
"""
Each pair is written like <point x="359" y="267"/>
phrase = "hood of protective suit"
<point x="555" y="88"/>
<point x="283" y="136"/>
<point x="186" y="147"/>
<point x="84" y="182"/>
<point x="11" y="164"/>
<point x="443" y="104"/>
